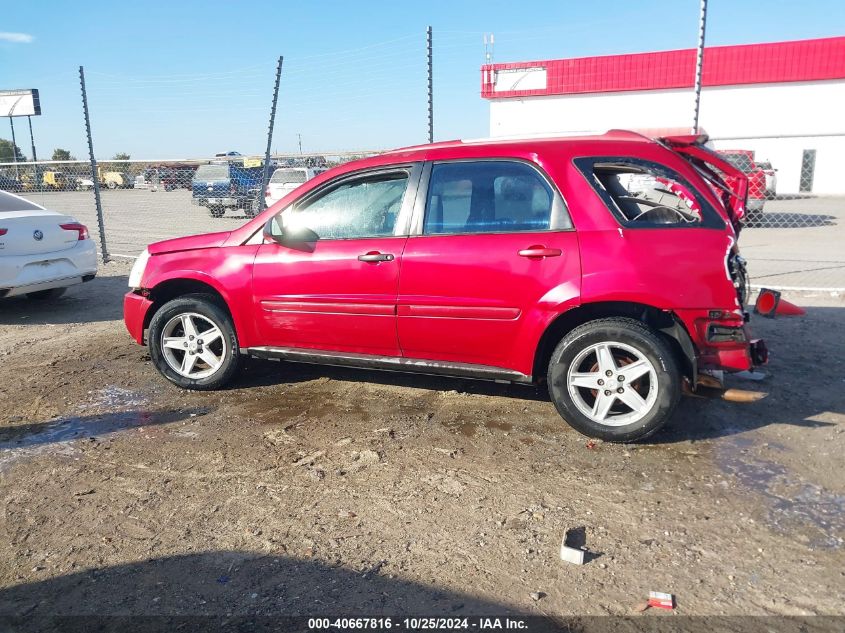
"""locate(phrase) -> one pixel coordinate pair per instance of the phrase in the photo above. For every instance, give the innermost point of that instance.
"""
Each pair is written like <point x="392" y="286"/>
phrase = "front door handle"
<point x="540" y="251"/>
<point x="375" y="257"/>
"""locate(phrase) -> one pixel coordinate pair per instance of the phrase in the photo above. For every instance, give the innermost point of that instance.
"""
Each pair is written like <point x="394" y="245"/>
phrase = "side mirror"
<point x="299" y="238"/>
<point x="273" y="231"/>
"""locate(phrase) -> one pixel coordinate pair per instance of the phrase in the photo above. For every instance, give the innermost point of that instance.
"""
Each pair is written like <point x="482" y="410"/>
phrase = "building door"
<point x="808" y="168"/>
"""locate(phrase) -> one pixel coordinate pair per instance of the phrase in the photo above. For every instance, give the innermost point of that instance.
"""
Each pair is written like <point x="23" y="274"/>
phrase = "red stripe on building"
<point x="777" y="62"/>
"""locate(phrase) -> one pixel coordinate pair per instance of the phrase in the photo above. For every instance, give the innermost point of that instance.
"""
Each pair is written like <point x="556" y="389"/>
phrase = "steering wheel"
<point x="655" y="206"/>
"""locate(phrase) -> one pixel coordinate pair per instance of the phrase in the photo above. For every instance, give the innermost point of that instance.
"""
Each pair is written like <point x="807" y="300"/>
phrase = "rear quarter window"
<point x="644" y="194"/>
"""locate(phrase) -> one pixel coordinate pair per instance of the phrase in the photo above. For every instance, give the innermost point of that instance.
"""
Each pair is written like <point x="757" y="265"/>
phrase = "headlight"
<point x="137" y="272"/>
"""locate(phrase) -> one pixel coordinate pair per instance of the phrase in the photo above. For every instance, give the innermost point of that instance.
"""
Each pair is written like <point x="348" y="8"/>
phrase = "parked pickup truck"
<point x="221" y="186"/>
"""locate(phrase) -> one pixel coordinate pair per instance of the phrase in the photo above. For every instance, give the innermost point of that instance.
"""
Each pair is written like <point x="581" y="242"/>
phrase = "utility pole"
<point x="262" y="203"/>
<point x="430" y="88"/>
<point x="14" y="147"/>
<point x="699" y="63"/>
<point x="299" y="136"/>
<point x="94" y="177"/>
<point x="32" y="139"/>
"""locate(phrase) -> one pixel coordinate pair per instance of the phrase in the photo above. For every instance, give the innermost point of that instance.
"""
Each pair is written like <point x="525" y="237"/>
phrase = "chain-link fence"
<point x="146" y="201"/>
<point x="795" y="228"/>
<point x="792" y="237"/>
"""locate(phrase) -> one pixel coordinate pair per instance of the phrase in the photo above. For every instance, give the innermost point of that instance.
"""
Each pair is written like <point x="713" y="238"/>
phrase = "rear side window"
<point x="8" y="202"/>
<point x="644" y="194"/>
<point x="487" y="197"/>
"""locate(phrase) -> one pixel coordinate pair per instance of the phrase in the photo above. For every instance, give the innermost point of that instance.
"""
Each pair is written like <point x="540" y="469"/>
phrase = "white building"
<point x="784" y="100"/>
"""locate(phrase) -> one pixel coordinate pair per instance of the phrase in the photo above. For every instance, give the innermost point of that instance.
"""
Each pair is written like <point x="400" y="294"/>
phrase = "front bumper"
<point x="135" y="309"/>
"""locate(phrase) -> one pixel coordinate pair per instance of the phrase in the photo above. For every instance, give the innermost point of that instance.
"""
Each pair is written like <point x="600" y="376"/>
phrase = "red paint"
<point x="135" y="309"/>
<point x="332" y="299"/>
<point x="776" y="62"/>
<point x="474" y="298"/>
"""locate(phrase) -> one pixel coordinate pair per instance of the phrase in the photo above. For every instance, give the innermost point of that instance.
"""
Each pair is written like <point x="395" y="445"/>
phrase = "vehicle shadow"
<point x="788" y="220"/>
<point x="798" y="393"/>
<point x="267" y="373"/>
<point x="88" y="426"/>
<point x="100" y="299"/>
<point x="796" y="342"/>
<point x="793" y="196"/>
<point x="197" y="591"/>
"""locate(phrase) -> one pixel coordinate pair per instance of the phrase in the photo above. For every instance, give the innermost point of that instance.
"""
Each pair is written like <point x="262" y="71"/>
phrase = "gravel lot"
<point x="798" y="243"/>
<point x="317" y="490"/>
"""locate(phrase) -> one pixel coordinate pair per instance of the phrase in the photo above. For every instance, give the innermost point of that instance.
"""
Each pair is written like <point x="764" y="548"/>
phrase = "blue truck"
<point x="227" y="185"/>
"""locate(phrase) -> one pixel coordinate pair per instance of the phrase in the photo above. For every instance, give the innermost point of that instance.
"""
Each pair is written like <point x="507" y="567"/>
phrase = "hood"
<point x="191" y="242"/>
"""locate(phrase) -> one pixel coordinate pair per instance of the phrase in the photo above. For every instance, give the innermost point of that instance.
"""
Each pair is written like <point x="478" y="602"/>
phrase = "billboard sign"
<point x="19" y="103"/>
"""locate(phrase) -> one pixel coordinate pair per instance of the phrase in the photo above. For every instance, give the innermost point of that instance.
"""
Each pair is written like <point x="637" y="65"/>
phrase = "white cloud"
<point x="17" y="38"/>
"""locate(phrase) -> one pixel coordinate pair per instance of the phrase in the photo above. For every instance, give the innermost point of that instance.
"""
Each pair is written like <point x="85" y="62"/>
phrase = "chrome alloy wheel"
<point x="612" y="383"/>
<point x="193" y="346"/>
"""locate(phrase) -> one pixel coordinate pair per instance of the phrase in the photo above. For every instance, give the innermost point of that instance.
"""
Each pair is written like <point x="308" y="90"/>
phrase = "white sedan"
<point x="41" y="252"/>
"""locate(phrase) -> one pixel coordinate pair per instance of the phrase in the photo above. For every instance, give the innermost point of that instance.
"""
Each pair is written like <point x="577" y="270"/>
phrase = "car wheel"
<point x="193" y="342"/>
<point x="45" y="295"/>
<point x="112" y="184"/>
<point x="614" y="379"/>
<point x="216" y="212"/>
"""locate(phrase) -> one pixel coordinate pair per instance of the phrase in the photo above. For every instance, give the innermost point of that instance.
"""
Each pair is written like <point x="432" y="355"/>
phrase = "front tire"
<point x="217" y="212"/>
<point x="193" y="342"/>
<point x="614" y="379"/>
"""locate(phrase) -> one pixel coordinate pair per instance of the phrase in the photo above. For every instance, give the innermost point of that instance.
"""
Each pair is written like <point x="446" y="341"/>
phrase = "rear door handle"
<point x="540" y="251"/>
<point x="376" y="257"/>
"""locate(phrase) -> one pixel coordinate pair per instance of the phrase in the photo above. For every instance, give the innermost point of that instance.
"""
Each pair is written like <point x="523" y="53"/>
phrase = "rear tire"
<point x="594" y="392"/>
<point x="193" y="342"/>
<point x="46" y="295"/>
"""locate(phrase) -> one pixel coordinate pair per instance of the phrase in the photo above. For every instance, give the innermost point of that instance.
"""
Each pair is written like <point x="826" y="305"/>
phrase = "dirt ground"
<point x="312" y="490"/>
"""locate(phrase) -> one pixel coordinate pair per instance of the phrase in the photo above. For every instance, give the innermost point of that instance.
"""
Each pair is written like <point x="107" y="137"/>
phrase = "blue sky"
<point x="189" y="78"/>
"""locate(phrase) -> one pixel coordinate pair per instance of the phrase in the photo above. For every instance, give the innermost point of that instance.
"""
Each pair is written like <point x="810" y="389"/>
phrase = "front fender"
<point x="228" y="271"/>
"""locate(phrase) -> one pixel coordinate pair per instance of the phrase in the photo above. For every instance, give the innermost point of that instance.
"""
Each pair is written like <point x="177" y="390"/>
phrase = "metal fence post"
<point x="265" y="179"/>
<point x="699" y="63"/>
<point x="104" y="252"/>
<point x="430" y="87"/>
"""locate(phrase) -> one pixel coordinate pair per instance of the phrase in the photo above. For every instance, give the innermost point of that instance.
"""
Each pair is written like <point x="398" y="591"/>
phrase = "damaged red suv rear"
<point x="605" y="267"/>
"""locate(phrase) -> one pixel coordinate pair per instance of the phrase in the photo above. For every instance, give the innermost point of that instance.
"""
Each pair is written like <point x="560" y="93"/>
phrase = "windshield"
<point x="285" y="176"/>
<point x="740" y="161"/>
<point x="212" y="172"/>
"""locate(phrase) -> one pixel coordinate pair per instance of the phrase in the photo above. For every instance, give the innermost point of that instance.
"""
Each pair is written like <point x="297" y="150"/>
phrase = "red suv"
<point x="605" y="266"/>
